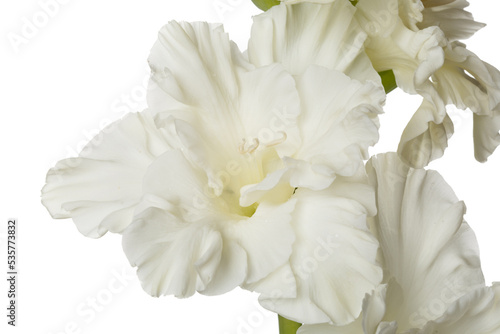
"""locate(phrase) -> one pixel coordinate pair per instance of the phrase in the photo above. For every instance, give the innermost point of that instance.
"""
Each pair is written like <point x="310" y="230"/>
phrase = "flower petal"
<point x="173" y="258"/>
<point x="194" y="78"/>
<point x="468" y="82"/>
<point x="304" y="34"/>
<point x="306" y="174"/>
<point x="450" y="17"/>
<point x="410" y="12"/>
<point x="475" y="313"/>
<point x="101" y="187"/>
<point x="339" y="120"/>
<point x="374" y="309"/>
<point x="267" y="238"/>
<point x="387" y="328"/>
<point x="425" y="138"/>
<point x="370" y="322"/>
<point x="413" y="56"/>
<point x="333" y="258"/>
<point x="193" y="64"/>
<point x="430" y="253"/>
<point x="479" y="90"/>
<point x="486" y="135"/>
<point x="279" y="284"/>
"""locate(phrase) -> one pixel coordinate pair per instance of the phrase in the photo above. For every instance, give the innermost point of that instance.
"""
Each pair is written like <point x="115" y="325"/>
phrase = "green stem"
<point x="287" y="326"/>
<point x="388" y="80"/>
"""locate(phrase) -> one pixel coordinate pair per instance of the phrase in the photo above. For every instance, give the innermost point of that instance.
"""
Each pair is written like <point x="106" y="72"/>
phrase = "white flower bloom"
<point x="332" y="131"/>
<point x="414" y="40"/>
<point x="432" y="277"/>
<point x="202" y="185"/>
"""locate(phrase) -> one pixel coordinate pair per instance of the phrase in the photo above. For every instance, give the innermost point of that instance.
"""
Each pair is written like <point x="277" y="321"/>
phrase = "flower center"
<point x="257" y="158"/>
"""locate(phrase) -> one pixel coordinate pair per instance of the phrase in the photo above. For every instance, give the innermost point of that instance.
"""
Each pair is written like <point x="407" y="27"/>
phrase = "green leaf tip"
<point x="287" y="326"/>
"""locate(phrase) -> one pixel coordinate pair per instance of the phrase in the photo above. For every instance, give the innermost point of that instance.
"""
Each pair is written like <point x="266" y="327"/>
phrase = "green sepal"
<point x="265" y="4"/>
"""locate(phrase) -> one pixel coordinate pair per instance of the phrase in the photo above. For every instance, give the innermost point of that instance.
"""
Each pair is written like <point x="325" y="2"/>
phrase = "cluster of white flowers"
<point x="248" y="169"/>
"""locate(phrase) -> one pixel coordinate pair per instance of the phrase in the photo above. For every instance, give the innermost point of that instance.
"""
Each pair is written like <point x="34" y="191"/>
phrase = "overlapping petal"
<point x="154" y="243"/>
<point x="220" y="249"/>
<point x="333" y="258"/>
<point x="428" y="252"/>
<point x="337" y="124"/>
<point x="339" y="120"/>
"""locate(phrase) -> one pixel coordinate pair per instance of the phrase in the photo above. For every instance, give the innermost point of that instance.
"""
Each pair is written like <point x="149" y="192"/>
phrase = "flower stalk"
<point x="388" y="80"/>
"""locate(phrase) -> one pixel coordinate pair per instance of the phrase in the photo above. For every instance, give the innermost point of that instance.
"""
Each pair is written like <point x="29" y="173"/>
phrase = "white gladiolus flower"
<point x="232" y="176"/>
<point x="417" y="40"/>
<point x="432" y="277"/>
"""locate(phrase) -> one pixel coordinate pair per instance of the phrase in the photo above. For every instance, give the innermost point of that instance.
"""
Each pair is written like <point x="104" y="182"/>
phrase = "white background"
<point x="86" y="66"/>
